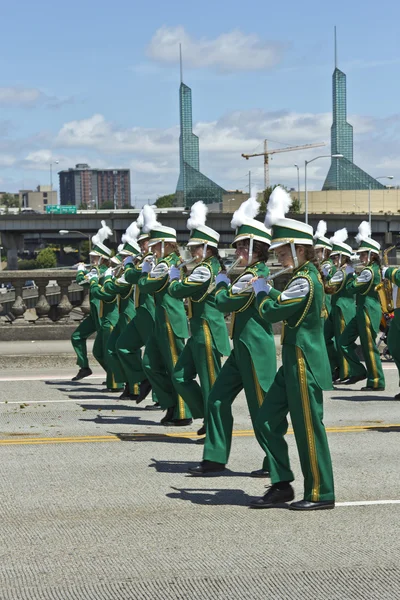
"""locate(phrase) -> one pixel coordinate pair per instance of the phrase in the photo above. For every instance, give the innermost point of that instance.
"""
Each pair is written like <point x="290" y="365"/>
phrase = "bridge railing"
<point x="53" y="294"/>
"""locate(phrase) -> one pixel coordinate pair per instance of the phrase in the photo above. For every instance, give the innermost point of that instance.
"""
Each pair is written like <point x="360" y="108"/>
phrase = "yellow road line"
<point x="154" y="436"/>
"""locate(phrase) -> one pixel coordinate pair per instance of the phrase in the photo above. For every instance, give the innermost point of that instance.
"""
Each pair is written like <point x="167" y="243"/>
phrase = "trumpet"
<point x="184" y="264"/>
<point x="270" y="277"/>
<point x="227" y="271"/>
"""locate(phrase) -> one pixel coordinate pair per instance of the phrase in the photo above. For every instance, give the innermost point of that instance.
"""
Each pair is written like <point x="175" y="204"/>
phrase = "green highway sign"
<point x="54" y="209"/>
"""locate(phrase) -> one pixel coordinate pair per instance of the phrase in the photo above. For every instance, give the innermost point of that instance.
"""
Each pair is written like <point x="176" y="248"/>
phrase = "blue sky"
<point x="97" y="82"/>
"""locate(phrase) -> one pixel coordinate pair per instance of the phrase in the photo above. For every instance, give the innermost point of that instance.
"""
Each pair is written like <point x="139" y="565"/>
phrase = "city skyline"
<point x="118" y="105"/>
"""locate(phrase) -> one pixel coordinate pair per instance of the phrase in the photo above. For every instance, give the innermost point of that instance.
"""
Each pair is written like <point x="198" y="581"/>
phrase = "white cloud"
<point x="21" y="97"/>
<point x="227" y="53"/>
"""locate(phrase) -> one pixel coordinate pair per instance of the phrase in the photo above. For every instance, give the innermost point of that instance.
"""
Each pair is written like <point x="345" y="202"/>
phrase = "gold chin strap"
<point x="294" y="255"/>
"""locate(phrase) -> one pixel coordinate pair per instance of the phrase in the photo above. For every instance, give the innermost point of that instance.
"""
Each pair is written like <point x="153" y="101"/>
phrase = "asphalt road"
<point x="96" y="503"/>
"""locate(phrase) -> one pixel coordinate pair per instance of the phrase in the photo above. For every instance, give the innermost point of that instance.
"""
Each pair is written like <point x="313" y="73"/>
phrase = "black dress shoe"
<point x="82" y="373"/>
<point x="206" y="467"/>
<point x="276" y="497"/>
<point x="144" y="390"/>
<point x="260" y="473"/>
<point x="111" y="390"/>
<point x="367" y="388"/>
<point x="155" y="406"/>
<point x="354" y="379"/>
<point x="202" y="430"/>
<point x="335" y="375"/>
<point x="169" y="415"/>
<point x="397" y="397"/>
<point x="126" y="394"/>
<point x="307" y="505"/>
<point x="178" y="423"/>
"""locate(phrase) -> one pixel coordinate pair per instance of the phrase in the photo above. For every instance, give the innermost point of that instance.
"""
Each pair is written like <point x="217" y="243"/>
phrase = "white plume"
<point x="278" y="205"/>
<point x="140" y="219"/>
<point x="103" y="233"/>
<point x="131" y="234"/>
<point x="149" y="218"/>
<point x="198" y="215"/>
<point x="247" y="210"/>
<point x="364" y="231"/>
<point x="322" y="228"/>
<point x="339" y="236"/>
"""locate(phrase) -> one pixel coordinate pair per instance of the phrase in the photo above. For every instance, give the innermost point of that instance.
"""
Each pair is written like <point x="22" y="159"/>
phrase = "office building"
<point x="38" y="199"/>
<point x="95" y="188"/>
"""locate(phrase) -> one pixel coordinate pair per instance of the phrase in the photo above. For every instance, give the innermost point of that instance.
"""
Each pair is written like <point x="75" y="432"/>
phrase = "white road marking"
<point x="367" y="502"/>
<point x="66" y="401"/>
<point x="61" y="378"/>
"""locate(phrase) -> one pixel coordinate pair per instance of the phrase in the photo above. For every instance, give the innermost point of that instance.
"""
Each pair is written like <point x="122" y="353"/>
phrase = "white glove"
<point x="222" y="277"/>
<point x="128" y="260"/>
<point x="326" y="269"/>
<point x="349" y="269"/>
<point x="108" y="272"/>
<point x="174" y="273"/>
<point x="384" y="269"/>
<point x="92" y="275"/>
<point x="146" y="267"/>
<point x="260" y="285"/>
<point x="81" y="267"/>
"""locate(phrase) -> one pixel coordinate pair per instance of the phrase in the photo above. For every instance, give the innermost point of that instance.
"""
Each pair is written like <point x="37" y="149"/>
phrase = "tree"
<point x="9" y="201"/>
<point x="295" y="208"/>
<point x="166" y="201"/>
<point x="107" y="205"/>
<point x="46" y="259"/>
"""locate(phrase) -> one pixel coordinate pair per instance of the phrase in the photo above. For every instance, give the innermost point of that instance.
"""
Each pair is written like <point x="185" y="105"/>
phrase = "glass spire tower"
<point x="192" y="184"/>
<point x="343" y="173"/>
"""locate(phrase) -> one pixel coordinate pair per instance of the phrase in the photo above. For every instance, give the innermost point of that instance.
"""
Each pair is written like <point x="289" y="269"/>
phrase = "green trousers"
<point x="339" y="325"/>
<point x="159" y="359"/>
<point x="78" y="339"/>
<point x="295" y="391"/>
<point x="113" y="359"/>
<point x="329" y="335"/>
<point x="199" y="357"/>
<point x="237" y="373"/>
<point x="129" y="345"/>
<point x="100" y="354"/>
<point x="394" y="339"/>
<point x="361" y="326"/>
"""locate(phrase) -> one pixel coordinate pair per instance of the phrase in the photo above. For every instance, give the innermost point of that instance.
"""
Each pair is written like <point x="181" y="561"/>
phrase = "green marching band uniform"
<point x="139" y="330"/>
<point x="323" y="248"/>
<point x="392" y="274"/>
<point x="365" y="323"/>
<point x="252" y="362"/>
<point x="87" y="327"/>
<point x="170" y="330"/>
<point x="305" y="371"/>
<point x="343" y="304"/>
<point x="209" y="337"/>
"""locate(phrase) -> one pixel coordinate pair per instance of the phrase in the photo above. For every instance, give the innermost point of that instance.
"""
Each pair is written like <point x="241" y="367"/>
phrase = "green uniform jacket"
<point x="366" y="296"/>
<point x="343" y="296"/>
<point x="109" y="304"/>
<point x="94" y="303"/>
<point x="328" y="263"/>
<point x="125" y="293"/>
<point x="143" y="301"/>
<point x="303" y="320"/>
<point x="201" y="306"/>
<point x="167" y="308"/>
<point x="248" y="327"/>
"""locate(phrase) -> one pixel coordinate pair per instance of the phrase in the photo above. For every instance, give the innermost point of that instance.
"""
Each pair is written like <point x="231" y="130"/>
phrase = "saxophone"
<point x="385" y="288"/>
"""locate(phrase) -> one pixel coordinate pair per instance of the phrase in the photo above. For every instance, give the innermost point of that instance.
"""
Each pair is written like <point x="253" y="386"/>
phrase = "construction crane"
<point x="267" y="153"/>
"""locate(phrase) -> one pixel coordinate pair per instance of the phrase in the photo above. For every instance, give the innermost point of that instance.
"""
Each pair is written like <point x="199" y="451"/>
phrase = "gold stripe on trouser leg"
<point x="259" y="392"/>
<point x="371" y="350"/>
<point x="345" y="363"/>
<point x="305" y="400"/>
<point x="113" y="382"/>
<point x="209" y="353"/>
<point x="174" y="353"/>
<point x="136" y="389"/>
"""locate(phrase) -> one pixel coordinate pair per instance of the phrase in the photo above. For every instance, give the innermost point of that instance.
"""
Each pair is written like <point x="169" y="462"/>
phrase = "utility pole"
<point x="249" y="183"/>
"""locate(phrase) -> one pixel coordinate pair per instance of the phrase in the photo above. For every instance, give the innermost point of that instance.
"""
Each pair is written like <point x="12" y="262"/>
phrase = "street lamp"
<point x="298" y="183"/>
<point x="1" y="266"/>
<point x="56" y="162"/>
<point x="307" y="162"/>
<point x="86" y="235"/>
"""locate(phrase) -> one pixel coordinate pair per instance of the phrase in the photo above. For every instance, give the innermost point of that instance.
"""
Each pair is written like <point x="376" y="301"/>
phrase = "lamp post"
<point x="56" y="162"/>
<point x="298" y="183"/>
<point x="1" y="266"/>
<point x="369" y="197"/>
<point x="86" y="235"/>
<point x="307" y="162"/>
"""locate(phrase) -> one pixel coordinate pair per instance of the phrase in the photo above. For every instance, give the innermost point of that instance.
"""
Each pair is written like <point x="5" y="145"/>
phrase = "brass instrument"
<point x="227" y="271"/>
<point x="270" y="277"/>
<point x="385" y="287"/>
<point x="183" y="264"/>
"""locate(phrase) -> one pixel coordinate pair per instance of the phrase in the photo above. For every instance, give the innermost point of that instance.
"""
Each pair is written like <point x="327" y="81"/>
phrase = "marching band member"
<point x="168" y="338"/>
<point x="323" y="248"/>
<point x="127" y="310"/>
<point x="209" y="337"/>
<point x="91" y="323"/>
<point x="342" y="298"/>
<point x="141" y="327"/>
<point x="108" y="311"/>
<point x="365" y="323"/>
<point x="252" y="362"/>
<point x="297" y="388"/>
<point x="393" y="274"/>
